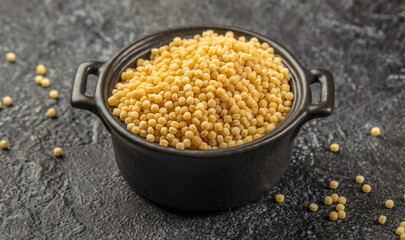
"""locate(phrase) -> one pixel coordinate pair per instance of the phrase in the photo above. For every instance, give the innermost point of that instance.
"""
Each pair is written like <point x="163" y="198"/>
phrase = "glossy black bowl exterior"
<point x="195" y="179"/>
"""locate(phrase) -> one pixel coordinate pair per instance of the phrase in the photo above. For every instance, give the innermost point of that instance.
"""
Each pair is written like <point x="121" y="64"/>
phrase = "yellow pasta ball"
<point x="164" y="143"/>
<point x="52" y="112"/>
<point x="45" y="82"/>
<point x="7" y="101"/>
<point x="3" y="144"/>
<point x="333" y="215"/>
<point x="366" y="188"/>
<point x="150" y="137"/>
<point x="313" y="207"/>
<point x="359" y="179"/>
<point x="53" y="94"/>
<point x="289" y="96"/>
<point x="400" y="230"/>
<point x="10" y="57"/>
<point x="340" y="207"/>
<point x="389" y="203"/>
<point x="333" y="184"/>
<point x="279" y="198"/>
<point x="342" y="200"/>
<point x="57" y="152"/>
<point x="327" y="200"/>
<point x="341" y="214"/>
<point x="41" y="70"/>
<point x="334" y="147"/>
<point x="38" y="79"/>
<point x="375" y="131"/>
<point x="382" y="219"/>
<point x="334" y="197"/>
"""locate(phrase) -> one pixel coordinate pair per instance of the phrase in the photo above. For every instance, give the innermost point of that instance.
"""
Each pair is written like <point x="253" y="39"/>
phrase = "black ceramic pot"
<point x="195" y="179"/>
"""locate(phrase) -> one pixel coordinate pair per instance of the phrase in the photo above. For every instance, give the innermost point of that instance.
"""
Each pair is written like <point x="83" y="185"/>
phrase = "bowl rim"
<point x="293" y="121"/>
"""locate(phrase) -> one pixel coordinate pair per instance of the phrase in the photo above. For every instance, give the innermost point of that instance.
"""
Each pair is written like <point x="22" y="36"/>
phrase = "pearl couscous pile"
<point x="208" y="92"/>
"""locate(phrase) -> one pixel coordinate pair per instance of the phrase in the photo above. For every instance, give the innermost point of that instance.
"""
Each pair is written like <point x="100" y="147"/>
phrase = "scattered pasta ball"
<point x="53" y="94"/>
<point x="10" y="57"/>
<point x="333" y="184"/>
<point x="57" y="152"/>
<point x="45" y="82"/>
<point x="340" y="207"/>
<point x="400" y="230"/>
<point x="52" y="112"/>
<point x="212" y="91"/>
<point x="7" y="101"/>
<point x="327" y="200"/>
<point x="41" y="69"/>
<point x="382" y="219"/>
<point x="3" y="144"/>
<point x="402" y="224"/>
<point x="279" y="198"/>
<point x="359" y="179"/>
<point x="342" y="200"/>
<point x="38" y="79"/>
<point x="333" y="215"/>
<point x="342" y="214"/>
<point x="1" y="105"/>
<point x="402" y="236"/>
<point x="375" y="131"/>
<point x="334" y="197"/>
<point x="313" y="207"/>
<point x="334" y="147"/>
<point x="389" y="203"/>
<point x="366" y="188"/>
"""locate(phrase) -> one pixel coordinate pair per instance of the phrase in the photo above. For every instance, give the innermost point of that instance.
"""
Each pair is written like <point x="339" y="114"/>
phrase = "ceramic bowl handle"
<point x="325" y="107"/>
<point x="79" y="99"/>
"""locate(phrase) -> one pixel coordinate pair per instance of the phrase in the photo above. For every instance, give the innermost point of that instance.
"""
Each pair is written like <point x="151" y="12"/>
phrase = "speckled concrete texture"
<point x="83" y="196"/>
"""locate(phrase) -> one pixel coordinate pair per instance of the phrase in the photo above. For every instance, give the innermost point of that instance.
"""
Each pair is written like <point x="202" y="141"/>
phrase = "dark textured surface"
<point x="83" y="196"/>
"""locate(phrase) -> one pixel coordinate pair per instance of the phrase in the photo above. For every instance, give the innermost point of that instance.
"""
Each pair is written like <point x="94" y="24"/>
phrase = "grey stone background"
<point x="83" y="196"/>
